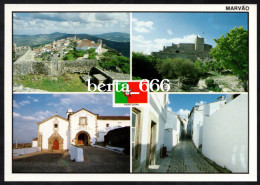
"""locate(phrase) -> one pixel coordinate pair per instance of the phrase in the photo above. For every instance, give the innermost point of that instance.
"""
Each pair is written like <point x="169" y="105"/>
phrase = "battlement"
<point x="192" y="51"/>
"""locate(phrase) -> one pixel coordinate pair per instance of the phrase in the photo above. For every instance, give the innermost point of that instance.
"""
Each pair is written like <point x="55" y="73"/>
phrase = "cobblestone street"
<point x="183" y="158"/>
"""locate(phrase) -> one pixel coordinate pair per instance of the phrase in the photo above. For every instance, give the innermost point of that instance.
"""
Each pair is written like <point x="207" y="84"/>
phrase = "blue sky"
<point x="151" y="31"/>
<point x="88" y="23"/>
<point x="182" y="104"/>
<point x="28" y="109"/>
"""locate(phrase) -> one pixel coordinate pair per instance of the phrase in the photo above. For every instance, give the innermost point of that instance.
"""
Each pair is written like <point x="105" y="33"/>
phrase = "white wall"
<point x="211" y="108"/>
<point x="172" y="131"/>
<point x="34" y="143"/>
<point x="76" y="153"/>
<point x="171" y="138"/>
<point x="113" y="124"/>
<point x="47" y="129"/>
<point x="156" y="110"/>
<point x="197" y="127"/>
<point x="158" y="107"/>
<point x="23" y="151"/>
<point x="225" y="135"/>
<point x="90" y="128"/>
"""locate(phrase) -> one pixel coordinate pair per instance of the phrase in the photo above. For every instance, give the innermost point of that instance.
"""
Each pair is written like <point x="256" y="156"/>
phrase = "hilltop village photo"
<point x="197" y="52"/>
<point x="64" y="62"/>
<point x="82" y="136"/>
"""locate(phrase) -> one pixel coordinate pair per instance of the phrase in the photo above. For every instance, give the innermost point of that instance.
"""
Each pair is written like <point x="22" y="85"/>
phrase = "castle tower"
<point x="14" y="47"/>
<point x="199" y="44"/>
<point x="100" y="41"/>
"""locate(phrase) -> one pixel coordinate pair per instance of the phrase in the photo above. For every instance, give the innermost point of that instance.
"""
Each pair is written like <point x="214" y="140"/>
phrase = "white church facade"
<point x="78" y="128"/>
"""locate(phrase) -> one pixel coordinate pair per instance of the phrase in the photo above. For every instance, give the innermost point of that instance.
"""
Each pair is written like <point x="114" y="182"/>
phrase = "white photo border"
<point x="9" y="8"/>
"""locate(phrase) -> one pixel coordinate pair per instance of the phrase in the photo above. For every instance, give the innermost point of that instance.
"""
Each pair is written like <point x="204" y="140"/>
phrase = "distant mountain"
<point x="37" y="40"/>
<point x="115" y="36"/>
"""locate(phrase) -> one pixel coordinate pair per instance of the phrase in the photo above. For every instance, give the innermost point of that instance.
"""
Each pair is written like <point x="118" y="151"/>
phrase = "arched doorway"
<point x="55" y="142"/>
<point x="82" y="138"/>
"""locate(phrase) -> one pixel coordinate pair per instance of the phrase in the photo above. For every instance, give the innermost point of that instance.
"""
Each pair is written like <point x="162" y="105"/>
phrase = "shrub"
<point x="111" y="62"/>
<point x="183" y="69"/>
<point x="145" y="66"/>
<point x="212" y="85"/>
<point x="210" y="82"/>
<point x="92" y="55"/>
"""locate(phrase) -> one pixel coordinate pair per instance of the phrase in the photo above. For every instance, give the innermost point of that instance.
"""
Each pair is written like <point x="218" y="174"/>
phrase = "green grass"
<point x="64" y="83"/>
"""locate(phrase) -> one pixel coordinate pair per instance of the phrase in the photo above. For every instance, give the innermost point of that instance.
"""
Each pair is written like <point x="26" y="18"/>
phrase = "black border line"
<point x="170" y="93"/>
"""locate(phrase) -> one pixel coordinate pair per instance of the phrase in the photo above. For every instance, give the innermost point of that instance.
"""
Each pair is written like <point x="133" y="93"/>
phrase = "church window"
<point x="83" y="121"/>
<point x="55" y="124"/>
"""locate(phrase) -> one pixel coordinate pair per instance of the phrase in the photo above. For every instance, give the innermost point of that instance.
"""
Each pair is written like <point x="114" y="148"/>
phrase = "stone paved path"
<point x="184" y="158"/>
<point x="96" y="160"/>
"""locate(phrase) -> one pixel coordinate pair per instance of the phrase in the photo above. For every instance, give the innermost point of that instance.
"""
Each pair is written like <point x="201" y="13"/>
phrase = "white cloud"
<point x="148" y="46"/>
<point x="15" y="104"/>
<point x="23" y="103"/>
<point x="41" y="115"/>
<point x="200" y="103"/>
<point x="169" y="31"/>
<point x="34" y="99"/>
<point x="16" y="114"/>
<point x="169" y="109"/>
<point x="91" y="23"/>
<point x="183" y="113"/>
<point x="28" y="118"/>
<point x="142" y="26"/>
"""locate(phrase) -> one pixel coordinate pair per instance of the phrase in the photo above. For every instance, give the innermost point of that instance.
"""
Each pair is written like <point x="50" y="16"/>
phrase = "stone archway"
<point x="82" y="138"/>
<point x="54" y="140"/>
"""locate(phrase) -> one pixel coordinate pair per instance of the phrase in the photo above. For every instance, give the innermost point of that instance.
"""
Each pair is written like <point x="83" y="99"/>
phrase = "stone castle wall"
<point x="54" y="67"/>
<point x="191" y="51"/>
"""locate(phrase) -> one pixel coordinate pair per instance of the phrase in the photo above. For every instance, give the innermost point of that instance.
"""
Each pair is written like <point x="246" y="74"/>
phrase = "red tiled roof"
<point x="87" y="43"/>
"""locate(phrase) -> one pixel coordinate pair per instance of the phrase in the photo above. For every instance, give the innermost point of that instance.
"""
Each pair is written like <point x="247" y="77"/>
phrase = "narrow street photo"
<point x="191" y="133"/>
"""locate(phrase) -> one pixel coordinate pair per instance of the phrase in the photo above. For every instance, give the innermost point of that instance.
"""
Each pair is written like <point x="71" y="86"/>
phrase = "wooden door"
<point x="56" y="145"/>
<point x="80" y="142"/>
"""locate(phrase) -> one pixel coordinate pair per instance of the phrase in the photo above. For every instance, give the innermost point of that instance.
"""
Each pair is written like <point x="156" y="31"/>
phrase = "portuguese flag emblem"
<point x="131" y="95"/>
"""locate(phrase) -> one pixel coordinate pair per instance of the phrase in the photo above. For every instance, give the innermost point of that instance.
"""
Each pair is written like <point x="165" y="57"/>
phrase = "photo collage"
<point x="130" y="92"/>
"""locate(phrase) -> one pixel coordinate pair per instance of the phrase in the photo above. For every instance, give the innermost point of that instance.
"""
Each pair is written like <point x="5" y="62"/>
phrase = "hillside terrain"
<point x="41" y="39"/>
<point x="115" y="36"/>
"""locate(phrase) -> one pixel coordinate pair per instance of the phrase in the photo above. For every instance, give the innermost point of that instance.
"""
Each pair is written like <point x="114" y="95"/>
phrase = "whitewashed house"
<point x="148" y="125"/>
<point x="86" y="44"/>
<point x="225" y="134"/>
<point x="196" y="118"/>
<point x="172" y="130"/>
<point x="78" y="128"/>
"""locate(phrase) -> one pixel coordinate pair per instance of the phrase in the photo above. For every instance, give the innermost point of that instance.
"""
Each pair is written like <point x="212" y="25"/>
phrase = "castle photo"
<point x="185" y="50"/>
<point x="197" y="52"/>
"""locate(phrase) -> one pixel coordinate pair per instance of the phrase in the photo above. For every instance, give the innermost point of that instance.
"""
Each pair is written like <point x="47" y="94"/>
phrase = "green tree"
<point x="232" y="51"/>
<point x="92" y="55"/>
<point x="145" y="66"/>
<point x="69" y="56"/>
